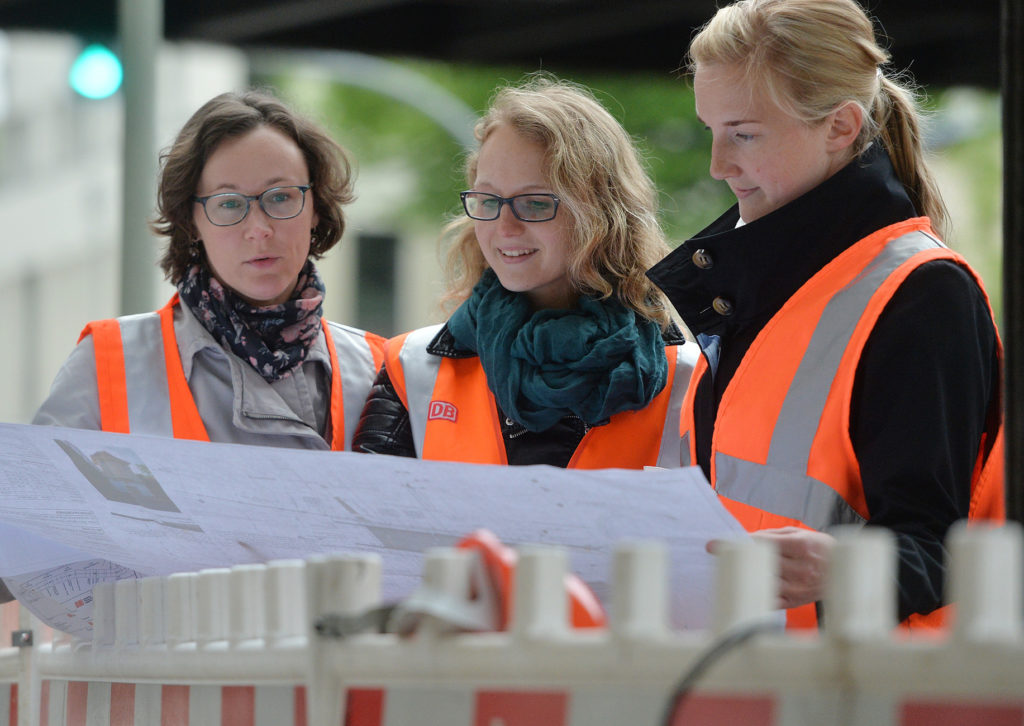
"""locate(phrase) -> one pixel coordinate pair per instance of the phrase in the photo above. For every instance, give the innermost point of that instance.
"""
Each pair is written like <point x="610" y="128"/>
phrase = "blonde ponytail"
<point x="899" y="120"/>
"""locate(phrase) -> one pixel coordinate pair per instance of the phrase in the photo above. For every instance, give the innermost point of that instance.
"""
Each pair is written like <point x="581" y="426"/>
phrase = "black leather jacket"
<point x="384" y="425"/>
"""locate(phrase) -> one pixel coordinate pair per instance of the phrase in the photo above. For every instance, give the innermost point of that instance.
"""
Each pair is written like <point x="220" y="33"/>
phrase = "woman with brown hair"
<point x="250" y="194"/>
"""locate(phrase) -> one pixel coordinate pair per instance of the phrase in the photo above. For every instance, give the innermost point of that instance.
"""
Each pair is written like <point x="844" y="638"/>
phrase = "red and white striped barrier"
<point x="10" y="665"/>
<point x="239" y="647"/>
<point x="84" y="703"/>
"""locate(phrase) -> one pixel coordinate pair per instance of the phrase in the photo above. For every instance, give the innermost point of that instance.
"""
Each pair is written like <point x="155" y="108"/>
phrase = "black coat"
<point x="927" y="384"/>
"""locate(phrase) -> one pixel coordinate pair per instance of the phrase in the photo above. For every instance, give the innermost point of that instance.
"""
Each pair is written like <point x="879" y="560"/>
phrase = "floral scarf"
<point x="273" y="339"/>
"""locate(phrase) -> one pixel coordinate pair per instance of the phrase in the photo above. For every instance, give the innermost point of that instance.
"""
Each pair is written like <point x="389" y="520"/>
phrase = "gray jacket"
<point x="235" y="403"/>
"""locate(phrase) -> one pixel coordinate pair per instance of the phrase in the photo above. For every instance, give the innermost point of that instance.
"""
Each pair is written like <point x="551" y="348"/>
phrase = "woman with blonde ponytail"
<point x="851" y="367"/>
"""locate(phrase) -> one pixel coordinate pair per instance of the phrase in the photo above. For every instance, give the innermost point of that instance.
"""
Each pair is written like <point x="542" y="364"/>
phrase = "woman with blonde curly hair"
<point x="560" y="350"/>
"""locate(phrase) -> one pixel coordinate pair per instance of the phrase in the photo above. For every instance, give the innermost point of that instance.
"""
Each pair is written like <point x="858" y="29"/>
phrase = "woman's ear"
<point x="844" y="126"/>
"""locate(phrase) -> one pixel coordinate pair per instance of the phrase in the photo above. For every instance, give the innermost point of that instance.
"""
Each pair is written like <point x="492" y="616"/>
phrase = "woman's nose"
<point x="256" y="222"/>
<point x="721" y="165"/>
<point x="508" y="223"/>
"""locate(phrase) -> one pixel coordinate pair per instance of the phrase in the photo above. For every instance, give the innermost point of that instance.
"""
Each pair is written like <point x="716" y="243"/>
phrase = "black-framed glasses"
<point x="228" y="208"/>
<point x="526" y="207"/>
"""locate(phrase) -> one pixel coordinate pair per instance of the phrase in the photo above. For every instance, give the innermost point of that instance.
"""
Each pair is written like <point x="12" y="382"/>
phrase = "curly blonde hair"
<point x="596" y="171"/>
<point x="812" y="56"/>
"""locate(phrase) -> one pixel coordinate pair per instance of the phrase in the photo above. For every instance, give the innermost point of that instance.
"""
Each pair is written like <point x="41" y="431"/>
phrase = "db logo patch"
<point x="442" y="410"/>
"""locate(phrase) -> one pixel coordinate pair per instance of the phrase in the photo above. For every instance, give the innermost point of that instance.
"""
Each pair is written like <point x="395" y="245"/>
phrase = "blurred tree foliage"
<point x="966" y="138"/>
<point x="657" y="111"/>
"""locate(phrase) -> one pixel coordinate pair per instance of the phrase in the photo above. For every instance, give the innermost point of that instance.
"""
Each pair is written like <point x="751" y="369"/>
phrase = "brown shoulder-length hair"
<point x="228" y="116"/>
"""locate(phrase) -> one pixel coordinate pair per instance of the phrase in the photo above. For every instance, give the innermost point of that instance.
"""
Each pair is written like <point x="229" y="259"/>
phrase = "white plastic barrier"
<point x="238" y="647"/>
<point x="858" y="671"/>
<point x="217" y="647"/>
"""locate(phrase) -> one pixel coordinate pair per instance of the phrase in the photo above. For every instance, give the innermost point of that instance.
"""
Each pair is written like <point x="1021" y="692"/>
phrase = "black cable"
<point x="372" y="620"/>
<point x="726" y="642"/>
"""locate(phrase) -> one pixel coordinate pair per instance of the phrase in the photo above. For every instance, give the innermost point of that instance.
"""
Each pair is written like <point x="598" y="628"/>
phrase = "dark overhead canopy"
<point x="942" y="43"/>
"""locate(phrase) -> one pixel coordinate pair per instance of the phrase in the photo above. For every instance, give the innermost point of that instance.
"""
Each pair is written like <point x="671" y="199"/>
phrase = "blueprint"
<point x="81" y="507"/>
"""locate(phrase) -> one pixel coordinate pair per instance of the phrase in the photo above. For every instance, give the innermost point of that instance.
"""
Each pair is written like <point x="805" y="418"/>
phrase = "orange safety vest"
<point x="781" y="453"/>
<point x="114" y="381"/>
<point x="454" y="417"/>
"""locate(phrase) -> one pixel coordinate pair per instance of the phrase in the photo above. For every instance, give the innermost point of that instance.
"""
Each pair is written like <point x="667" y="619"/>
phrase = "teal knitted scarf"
<point x="593" y="361"/>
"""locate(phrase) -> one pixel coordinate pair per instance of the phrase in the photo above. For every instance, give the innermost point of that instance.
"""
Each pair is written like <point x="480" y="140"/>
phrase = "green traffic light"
<point x="96" y="73"/>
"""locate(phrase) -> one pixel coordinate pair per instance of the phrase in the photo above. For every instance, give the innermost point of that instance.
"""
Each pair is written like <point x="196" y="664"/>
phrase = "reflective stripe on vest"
<point x="687" y="440"/>
<point x="781" y="485"/>
<point x="349" y="366"/>
<point x="418" y="376"/>
<point x="419" y="370"/>
<point x="133" y="389"/>
<point x="785" y="485"/>
<point x="146" y="392"/>
<point x="669" y="453"/>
